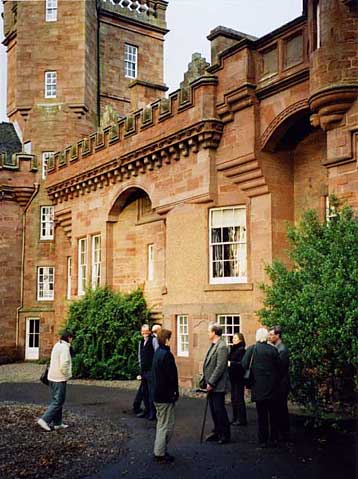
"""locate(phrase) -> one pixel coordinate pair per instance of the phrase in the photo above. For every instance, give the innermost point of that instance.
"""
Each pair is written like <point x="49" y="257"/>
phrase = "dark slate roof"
<point x="9" y="141"/>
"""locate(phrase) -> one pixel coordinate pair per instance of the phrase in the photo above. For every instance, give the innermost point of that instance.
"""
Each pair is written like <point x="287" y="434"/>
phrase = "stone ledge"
<point x="229" y="287"/>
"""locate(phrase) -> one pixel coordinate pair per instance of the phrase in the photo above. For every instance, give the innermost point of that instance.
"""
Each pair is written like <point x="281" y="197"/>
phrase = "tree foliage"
<point x="106" y="325"/>
<point x="315" y="301"/>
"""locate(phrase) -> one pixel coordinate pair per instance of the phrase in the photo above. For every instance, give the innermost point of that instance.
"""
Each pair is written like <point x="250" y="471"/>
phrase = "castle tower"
<point x="333" y="29"/>
<point x="67" y="61"/>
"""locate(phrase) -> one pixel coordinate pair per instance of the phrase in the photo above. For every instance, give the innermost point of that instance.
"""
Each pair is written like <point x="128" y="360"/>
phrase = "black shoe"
<point x="224" y="440"/>
<point x="212" y="437"/>
<point x="143" y="415"/>
<point x="137" y="411"/>
<point x="166" y="459"/>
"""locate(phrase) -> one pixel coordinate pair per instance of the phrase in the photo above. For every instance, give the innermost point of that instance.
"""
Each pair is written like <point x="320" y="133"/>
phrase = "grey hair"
<point x="216" y="328"/>
<point x="145" y="326"/>
<point x="261" y="335"/>
<point x="156" y="327"/>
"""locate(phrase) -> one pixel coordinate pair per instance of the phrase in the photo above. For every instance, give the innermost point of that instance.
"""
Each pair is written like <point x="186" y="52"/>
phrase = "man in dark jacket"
<point x="216" y="379"/>
<point x="165" y="394"/>
<point x="264" y="361"/>
<point x="275" y="338"/>
<point x="145" y="355"/>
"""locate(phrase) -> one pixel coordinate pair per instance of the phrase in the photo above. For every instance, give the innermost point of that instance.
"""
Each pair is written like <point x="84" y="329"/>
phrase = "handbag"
<point x="248" y="375"/>
<point x="44" y="376"/>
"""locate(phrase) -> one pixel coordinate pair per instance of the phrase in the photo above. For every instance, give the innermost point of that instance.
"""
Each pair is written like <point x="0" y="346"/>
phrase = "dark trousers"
<point x="148" y="395"/>
<point x="283" y="417"/>
<point x="219" y="415"/>
<point x="267" y="420"/>
<point x="138" y="399"/>
<point x="238" y="402"/>
<point x="58" y="396"/>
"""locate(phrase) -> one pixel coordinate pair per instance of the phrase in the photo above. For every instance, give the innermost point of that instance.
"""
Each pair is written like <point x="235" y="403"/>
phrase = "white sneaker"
<point x="61" y="426"/>
<point x="43" y="424"/>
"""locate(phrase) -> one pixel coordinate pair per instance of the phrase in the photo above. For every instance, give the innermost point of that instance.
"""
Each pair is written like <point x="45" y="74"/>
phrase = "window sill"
<point x="230" y="287"/>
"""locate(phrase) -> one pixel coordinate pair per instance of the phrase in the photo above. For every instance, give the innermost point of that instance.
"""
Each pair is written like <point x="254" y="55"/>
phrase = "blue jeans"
<point x="58" y="396"/>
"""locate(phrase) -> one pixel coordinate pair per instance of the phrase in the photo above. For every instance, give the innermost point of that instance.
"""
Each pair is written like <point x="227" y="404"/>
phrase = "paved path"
<point x="307" y="459"/>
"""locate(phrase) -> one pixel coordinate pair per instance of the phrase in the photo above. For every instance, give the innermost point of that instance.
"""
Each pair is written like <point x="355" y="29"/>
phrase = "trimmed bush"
<point x="106" y="325"/>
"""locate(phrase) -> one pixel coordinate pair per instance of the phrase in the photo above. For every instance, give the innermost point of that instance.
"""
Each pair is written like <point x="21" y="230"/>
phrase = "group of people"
<point x="266" y="363"/>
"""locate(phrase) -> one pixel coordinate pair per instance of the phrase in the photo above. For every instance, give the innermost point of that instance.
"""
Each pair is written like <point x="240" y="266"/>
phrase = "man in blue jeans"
<point x="59" y="373"/>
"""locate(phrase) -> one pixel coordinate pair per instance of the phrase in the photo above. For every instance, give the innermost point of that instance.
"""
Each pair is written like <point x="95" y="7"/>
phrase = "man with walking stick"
<point x="216" y="382"/>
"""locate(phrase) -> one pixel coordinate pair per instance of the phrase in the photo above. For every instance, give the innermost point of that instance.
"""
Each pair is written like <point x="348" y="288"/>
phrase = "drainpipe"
<point x="98" y="65"/>
<point x="37" y="187"/>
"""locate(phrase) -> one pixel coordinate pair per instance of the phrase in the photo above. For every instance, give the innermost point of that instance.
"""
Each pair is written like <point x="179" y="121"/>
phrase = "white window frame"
<point x="241" y="245"/>
<point x="96" y="261"/>
<point x="47" y="222"/>
<point x="27" y="147"/>
<point x="330" y="211"/>
<point x="130" y="61"/>
<point x="32" y="352"/>
<point x="51" y="10"/>
<point x="183" y="335"/>
<point x="51" y="84"/>
<point x="150" y="262"/>
<point x="227" y="321"/>
<point x="82" y="266"/>
<point x="69" y="277"/>
<point x="45" y="283"/>
<point x="46" y="155"/>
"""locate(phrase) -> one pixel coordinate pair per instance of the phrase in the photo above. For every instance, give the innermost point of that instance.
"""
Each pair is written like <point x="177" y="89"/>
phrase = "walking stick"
<point x="204" y="418"/>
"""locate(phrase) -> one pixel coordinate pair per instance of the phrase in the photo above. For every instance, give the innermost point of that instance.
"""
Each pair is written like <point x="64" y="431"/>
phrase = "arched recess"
<point x="293" y="154"/>
<point x="136" y="245"/>
<point x="288" y="128"/>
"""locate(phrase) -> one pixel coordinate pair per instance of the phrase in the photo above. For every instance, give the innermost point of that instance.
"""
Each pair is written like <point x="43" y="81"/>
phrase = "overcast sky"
<point x="190" y="21"/>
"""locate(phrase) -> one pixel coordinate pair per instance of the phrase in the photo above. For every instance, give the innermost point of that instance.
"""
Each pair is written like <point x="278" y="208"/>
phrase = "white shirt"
<point x="61" y="363"/>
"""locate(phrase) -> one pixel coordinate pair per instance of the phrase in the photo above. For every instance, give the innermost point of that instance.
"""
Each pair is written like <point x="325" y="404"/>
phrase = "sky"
<point x="190" y="21"/>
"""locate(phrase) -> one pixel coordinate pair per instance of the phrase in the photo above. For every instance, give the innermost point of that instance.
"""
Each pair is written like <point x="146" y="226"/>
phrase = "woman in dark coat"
<point x="236" y="373"/>
<point x="265" y="369"/>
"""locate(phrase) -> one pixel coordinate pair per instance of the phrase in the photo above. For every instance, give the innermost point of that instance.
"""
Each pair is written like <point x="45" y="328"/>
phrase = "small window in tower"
<point x="130" y="61"/>
<point x="51" y="10"/>
<point x="46" y="156"/>
<point x="50" y="84"/>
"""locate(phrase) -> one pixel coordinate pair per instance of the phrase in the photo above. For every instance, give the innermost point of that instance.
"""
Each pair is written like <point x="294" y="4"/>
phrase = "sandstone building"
<point x="186" y="195"/>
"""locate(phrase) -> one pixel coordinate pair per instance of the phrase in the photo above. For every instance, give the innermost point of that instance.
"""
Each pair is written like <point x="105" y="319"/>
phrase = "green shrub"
<point x="316" y="304"/>
<point x="106" y="325"/>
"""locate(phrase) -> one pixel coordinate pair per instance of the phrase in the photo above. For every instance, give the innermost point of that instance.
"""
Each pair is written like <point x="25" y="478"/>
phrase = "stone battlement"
<point x="148" y="11"/>
<point x="18" y="162"/>
<point x="124" y="128"/>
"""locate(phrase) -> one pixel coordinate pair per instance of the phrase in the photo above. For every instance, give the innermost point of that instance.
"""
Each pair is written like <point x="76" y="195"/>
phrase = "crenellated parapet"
<point x="17" y="177"/>
<point x="143" y="11"/>
<point x="157" y="113"/>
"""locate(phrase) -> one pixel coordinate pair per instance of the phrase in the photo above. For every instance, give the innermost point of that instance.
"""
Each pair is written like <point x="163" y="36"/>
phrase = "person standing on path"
<point x="236" y="374"/>
<point x="265" y="369"/>
<point x="216" y="381"/>
<point x="146" y="353"/>
<point x="59" y="373"/>
<point x="165" y="395"/>
<point x="275" y="338"/>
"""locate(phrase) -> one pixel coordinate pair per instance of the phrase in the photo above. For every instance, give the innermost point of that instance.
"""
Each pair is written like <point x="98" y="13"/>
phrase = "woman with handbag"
<point x="60" y="371"/>
<point x="262" y="361"/>
<point x="236" y="374"/>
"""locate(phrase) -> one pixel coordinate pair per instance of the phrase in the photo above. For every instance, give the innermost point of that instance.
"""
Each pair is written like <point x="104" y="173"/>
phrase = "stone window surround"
<point x="82" y="265"/>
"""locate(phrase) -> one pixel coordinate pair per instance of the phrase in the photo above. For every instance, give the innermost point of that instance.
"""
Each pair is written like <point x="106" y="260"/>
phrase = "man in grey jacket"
<point x="216" y="381"/>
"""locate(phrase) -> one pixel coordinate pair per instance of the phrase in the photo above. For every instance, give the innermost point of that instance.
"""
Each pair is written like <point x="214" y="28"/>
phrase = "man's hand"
<point x="209" y="388"/>
<point x="139" y="377"/>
